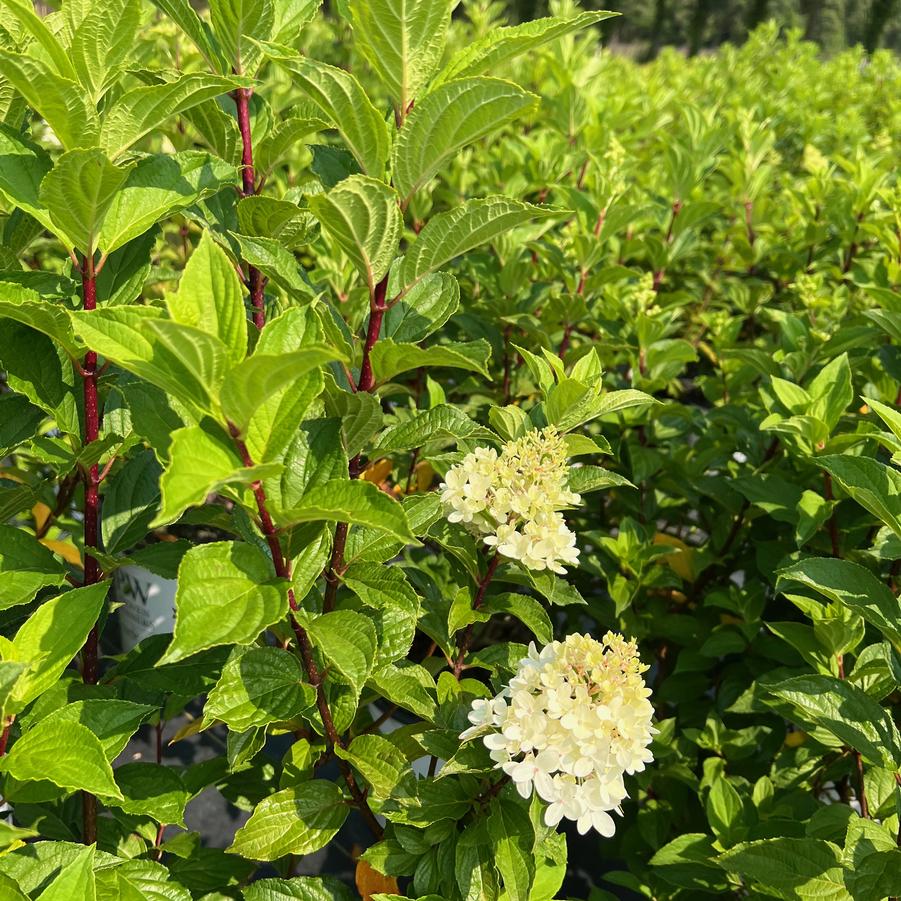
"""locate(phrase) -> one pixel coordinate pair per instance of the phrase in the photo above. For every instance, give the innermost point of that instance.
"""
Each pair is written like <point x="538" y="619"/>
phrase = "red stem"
<point x="466" y="640"/>
<point x="92" y="574"/>
<point x="4" y="738"/>
<point x="377" y="310"/>
<point x="283" y="571"/>
<point x="255" y="282"/>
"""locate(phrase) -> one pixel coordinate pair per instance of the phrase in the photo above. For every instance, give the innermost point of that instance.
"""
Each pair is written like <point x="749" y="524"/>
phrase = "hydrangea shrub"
<point x="516" y="424"/>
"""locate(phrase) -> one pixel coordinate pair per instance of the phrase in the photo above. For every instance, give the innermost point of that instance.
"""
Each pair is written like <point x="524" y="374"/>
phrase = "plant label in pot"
<point x="148" y="604"/>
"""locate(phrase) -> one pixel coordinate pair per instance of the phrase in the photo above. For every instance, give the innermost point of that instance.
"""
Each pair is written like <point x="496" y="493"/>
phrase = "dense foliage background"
<point x="698" y="24"/>
<point x="722" y="233"/>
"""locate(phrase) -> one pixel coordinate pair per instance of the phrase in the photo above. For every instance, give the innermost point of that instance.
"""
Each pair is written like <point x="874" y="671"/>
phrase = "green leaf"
<point x="260" y="216"/>
<point x="386" y="590"/>
<point x="377" y="760"/>
<point x="210" y="297"/>
<point x="227" y="594"/>
<point x="360" y="415"/>
<point x="442" y="423"/>
<point x="140" y="110"/>
<point x="238" y="25"/>
<point x="447" y="119"/>
<point x="298" y="820"/>
<point x="259" y="686"/>
<point x="512" y="837"/>
<point x="501" y="44"/>
<point x="277" y="263"/>
<point x="341" y="101"/>
<point x="300" y="888"/>
<point x="37" y="27"/>
<point x="348" y="641"/>
<point x="402" y="40"/>
<point x="847" y="712"/>
<point x="689" y="862"/>
<point x="9" y="675"/>
<point x="26" y="567"/>
<point x="583" y="479"/>
<point x="185" y="362"/>
<point x="50" y="638"/>
<point x="102" y="41"/>
<point x="352" y="501"/>
<point x="409" y="686"/>
<point x="874" y="486"/>
<point x="74" y="880"/>
<point x="363" y="217"/>
<point x="60" y="101"/>
<point x="24" y="166"/>
<point x="67" y="754"/>
<point x="527" y="610"/>
<point x="20" y="420"/>
<point x="111" y="721"/>
<point x="262" y="375"/>
<point x="448" y="235"/>
<point x="724" y="812"/>
<point x="853" y="586"/>
<point x="373" y="546"/>
<point x="202" y="460"/>
<point x="274" y="422"/>
<point x="158" y="186"/>
<point x="789" y="868"/>
<point x="390" y="359"/>
<point x="78" y="191"/>
<point x="130" y="502"/>
<point x="832" y="391"/>
<point x="149" y="789"/>
<point x="182" y="13"/>
<point x="423" y="309"/>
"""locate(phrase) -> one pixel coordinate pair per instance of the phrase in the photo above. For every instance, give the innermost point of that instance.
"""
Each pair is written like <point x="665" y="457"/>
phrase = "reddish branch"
<point x="255" y="281"/>
<point x="283" y="571"/>
<point x="92" y="573"/>
<point x="466" y="641"/>
<point x="378" y="306"/>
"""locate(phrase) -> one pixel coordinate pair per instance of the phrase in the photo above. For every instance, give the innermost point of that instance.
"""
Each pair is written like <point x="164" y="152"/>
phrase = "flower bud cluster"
<point x="512" y="500"/>
<point x="574" y="719"/>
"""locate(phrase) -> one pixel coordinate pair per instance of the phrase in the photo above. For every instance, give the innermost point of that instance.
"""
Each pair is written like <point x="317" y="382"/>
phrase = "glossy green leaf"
<point x="262" y="375"/>
<point x="363" y="217"/>
<point x="298" y="820"/>
<point x="446" y="120"/>
<point x="341" y="101"/>
<point x="227" y="594"/>
<point x="403" y="41"/>
<point x="348" y="642"/>
<point x="352" y="501"/>
<point x="501" y="44"/>
<point x="67" y="754"/>
<point x="26" y="566"/>
<point x="448" y="235"/>
<point x="390" y="359"/>
<point x="377" y="760"/>
<point x="210" y="297"/>
<point x="140" y="110"/>
<point x="158" y="186"/>
<point x="50" y="638"/>
<point x="259" y="686"/>
<point x="853" y="586"/>
<point x="78" y="192"/>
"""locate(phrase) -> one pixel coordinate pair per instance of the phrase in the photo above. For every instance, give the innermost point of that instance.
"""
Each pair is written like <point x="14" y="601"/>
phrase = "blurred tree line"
<point x="700" y="24"/>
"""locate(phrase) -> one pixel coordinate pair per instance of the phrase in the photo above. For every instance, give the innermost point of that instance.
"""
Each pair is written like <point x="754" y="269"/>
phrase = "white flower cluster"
<point x="512" y="500"/>
<point x="574" y="719"/>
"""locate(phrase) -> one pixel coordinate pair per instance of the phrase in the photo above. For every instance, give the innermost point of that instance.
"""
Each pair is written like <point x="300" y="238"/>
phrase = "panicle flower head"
<point x="572" y="722"/>
<point x="512" y="499"/>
